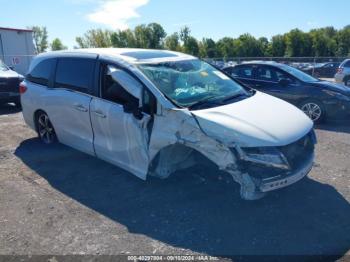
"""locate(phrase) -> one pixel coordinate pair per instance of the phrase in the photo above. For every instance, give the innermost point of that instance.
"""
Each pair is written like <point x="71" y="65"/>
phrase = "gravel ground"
<point x="55" y="200"/>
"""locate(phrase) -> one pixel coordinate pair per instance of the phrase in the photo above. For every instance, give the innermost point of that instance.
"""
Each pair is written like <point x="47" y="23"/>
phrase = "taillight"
<point x="22" y="88"/>
<point x="339" y="70"/>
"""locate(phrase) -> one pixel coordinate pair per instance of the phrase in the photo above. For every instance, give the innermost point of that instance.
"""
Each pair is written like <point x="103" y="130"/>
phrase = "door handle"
<point x="80" y="107"/>
<point x="276" y="91"/>
<point x="100" y="114"/>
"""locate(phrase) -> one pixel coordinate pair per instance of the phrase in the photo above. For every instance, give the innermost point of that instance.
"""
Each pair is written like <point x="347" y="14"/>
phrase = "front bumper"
<point x="280" y="181"/>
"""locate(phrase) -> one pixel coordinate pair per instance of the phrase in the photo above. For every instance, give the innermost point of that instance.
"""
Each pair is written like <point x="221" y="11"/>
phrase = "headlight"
<point x="337" y="95"/>
<point x="268" y="156"/>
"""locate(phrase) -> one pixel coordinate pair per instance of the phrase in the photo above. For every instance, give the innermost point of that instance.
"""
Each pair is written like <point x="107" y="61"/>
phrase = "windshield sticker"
<point x="221" y="75"/>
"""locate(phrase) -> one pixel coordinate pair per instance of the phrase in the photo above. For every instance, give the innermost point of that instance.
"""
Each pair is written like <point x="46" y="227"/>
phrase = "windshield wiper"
<point x="204" y="101"/>
<point x="233" y="97"/>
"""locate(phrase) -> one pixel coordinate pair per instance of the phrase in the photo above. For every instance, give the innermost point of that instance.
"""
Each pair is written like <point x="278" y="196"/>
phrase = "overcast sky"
<point x="67" y="19"/>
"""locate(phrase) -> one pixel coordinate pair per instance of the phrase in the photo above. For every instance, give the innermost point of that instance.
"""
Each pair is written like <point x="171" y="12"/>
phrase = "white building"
<point x="16" y="48"/>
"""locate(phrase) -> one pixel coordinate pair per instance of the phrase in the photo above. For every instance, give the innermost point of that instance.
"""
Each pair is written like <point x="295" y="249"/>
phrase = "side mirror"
<point x="129" y="83"/>
<point x="284" y="82"/>
<point x="133" y="108"/>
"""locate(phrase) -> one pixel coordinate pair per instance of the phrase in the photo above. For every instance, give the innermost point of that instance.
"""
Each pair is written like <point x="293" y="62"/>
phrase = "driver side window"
<point x="113" y="91"/>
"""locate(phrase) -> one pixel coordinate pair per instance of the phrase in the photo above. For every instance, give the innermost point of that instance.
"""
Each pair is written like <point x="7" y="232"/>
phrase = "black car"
<point x="327" y="70"/>
<point x="9" y="85"/>
<point x="318" y="99"/>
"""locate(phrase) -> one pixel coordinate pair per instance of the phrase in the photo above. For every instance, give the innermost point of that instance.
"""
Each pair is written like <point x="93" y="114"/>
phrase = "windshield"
<point x="3" y="67"/>
<point x="190" y="82"/>
<point x="298" y="74"/>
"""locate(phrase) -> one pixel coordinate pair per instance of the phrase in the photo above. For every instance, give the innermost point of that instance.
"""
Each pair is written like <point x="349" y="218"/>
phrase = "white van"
<point x="153" y="112"/>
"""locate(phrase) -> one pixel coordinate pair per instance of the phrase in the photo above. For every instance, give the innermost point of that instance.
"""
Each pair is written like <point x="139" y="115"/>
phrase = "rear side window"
<point x="75" y="74"/>
<point x="41" y="73"/>
<point x="243" y="72"/>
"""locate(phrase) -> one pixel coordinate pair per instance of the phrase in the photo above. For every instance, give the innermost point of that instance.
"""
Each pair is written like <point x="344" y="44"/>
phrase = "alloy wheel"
<point x="312" y="110"/>
<point x="45" y="129"/>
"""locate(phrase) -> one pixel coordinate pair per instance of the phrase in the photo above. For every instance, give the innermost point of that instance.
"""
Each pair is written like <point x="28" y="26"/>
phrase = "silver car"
<point x="343" y="73"/>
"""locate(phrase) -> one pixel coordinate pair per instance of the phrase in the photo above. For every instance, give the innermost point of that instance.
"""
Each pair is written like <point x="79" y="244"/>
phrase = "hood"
<point x="261" y="120"/>
<point x="333" y="87"/>
<point x="9" y="74"/>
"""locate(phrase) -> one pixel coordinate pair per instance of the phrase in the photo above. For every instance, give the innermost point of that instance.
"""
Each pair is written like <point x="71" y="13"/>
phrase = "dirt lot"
<point x="59" y="201"/>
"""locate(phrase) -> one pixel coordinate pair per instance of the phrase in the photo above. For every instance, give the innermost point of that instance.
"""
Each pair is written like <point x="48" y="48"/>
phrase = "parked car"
<point x="326" y="70"/>
<point x="343" y="73"/>
<point x="318" y="99"/>
<point x="154" y="112"/>
<point x="9" y="85"/>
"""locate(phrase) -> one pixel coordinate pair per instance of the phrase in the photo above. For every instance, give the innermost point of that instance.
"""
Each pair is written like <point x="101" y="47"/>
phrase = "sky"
<point x="67" y="19"/>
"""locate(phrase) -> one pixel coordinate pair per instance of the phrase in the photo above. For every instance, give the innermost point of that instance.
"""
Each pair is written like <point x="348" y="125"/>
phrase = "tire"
<point x="314" y="110"/>
<point x="45" y="129"/>
<point x="347" y="81"/>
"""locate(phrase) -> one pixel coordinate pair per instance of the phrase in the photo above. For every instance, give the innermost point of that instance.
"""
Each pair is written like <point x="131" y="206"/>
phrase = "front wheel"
<point x="314" y="110"/>
<point x="45" y="130"/>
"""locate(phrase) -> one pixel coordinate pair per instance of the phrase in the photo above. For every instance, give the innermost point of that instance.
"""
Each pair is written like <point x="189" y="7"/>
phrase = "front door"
<point x="268" y="80"/>
<point x="120" y="134"/>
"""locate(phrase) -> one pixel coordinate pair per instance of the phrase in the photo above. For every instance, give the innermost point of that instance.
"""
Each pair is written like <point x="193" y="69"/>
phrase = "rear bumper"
<point x="273" y="183"/>
<point x="9" y="97"/>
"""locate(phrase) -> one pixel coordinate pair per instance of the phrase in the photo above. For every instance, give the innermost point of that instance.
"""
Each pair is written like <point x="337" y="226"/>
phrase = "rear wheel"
<point x="314" y="110"/>
<point x="45" y="130"/>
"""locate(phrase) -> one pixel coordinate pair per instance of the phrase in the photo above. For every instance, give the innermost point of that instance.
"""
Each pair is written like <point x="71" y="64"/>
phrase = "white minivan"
<point x="152" y="112"/>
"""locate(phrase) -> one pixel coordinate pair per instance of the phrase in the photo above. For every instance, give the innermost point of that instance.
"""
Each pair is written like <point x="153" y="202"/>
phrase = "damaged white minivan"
<point x="153" y="112"/>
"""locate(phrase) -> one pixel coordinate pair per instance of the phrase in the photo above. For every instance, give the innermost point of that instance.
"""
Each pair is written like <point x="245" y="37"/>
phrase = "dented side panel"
<point x="180" y="127"/>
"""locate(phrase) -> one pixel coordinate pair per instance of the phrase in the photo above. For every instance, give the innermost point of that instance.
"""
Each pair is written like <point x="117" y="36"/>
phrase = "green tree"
<point x="185" y="33"/>
<point x="208" y="48"/>
<point x="277" y="46"/>
<point x="172" y="42"/>
<point x="157" y="36"/>
<point x="95" y="38"/>
<point x="191" y="46"/>
<point x="225" y="48"/>
<point x="56" y="44"/>
<point x="264" y="45"/>
<point x="40" y="37"/>
<point x="248" y="46"/>
<point x="298" y="44"/>
<point x="343" y="40"/>
<point x="322" y="44"/>
<point x="123" y="38"/>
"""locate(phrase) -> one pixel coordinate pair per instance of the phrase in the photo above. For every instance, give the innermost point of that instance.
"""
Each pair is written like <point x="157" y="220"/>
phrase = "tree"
<point x="248" y="46"/>
<point x="40" y="37"/>
<point x="322" y="44"/>
<point x="225" y="47"/>
<point x="277" y="46"/>
<point x="57" y="45"/>
<point x="172" y="42"/>
<point x="298" y="44"/>
<point x="191" y="46"/>
<point x="95" y="38"/>
<point x="124" y="38"/>
<point x="343" y="40"/>
<point x="157" y="35"/>
<point x="185" y="33"/>
<point x="264" y="45"/>
<point x="208" y="48"/>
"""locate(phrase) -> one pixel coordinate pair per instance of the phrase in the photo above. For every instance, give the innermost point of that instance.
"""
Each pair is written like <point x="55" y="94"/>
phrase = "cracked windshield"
<point x="193" y="83"/>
